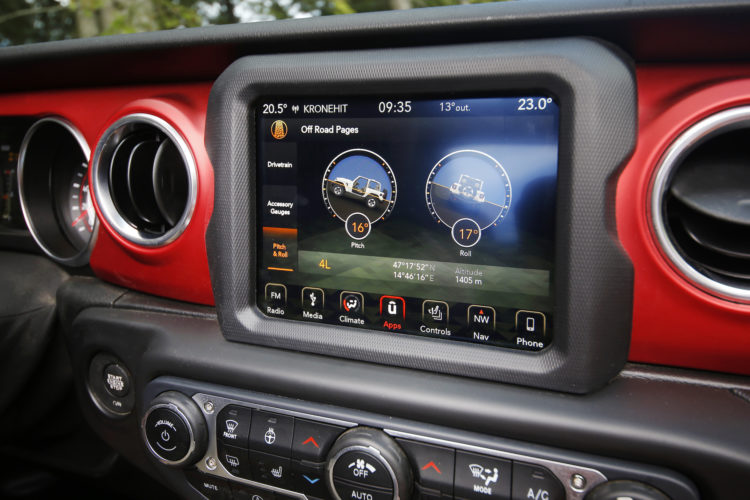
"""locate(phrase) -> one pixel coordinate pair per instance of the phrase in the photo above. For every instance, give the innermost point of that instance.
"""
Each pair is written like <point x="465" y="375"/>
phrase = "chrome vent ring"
<point x="145" y="180"/>
<point x="700" y="204"/>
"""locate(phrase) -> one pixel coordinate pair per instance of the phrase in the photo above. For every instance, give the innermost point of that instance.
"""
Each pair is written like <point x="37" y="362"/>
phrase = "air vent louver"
<point x="145" y="180"/>
<point x="702" y="203"/>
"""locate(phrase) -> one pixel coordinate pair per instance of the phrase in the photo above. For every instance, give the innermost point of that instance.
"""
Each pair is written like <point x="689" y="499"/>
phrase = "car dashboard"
<point x="489" y="251"/>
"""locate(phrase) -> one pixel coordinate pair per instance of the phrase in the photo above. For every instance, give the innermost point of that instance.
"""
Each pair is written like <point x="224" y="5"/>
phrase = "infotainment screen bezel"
<point x="596" y="92"/>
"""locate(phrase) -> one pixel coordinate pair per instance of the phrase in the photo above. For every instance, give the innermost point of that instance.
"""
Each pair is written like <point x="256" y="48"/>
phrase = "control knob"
<point x="634" y="490"/>
<point x="367" y="464"/>
<point x="174" y="429"/>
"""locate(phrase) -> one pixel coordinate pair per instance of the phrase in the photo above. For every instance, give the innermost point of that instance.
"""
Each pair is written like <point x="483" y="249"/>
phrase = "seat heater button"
<point x="167" y="434"/>
<point x="532" y="481"/>
<point x="481" y="477"/>
<point x="270" y="469"/>
<point x="116" y="380"/>
<point x="233" y="426"/>
<point x="362" y="468"/>
<point x="352" y="491"/>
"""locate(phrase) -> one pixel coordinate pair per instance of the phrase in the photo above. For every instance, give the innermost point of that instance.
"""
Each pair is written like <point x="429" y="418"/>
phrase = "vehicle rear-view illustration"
<point x="469" y="188"/>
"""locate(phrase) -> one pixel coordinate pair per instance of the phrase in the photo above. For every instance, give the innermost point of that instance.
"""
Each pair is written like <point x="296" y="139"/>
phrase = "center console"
<point x="256" y="446"/>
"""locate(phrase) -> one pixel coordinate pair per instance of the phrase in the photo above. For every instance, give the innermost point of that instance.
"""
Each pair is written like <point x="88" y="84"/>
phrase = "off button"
<point x="167" y="434"/>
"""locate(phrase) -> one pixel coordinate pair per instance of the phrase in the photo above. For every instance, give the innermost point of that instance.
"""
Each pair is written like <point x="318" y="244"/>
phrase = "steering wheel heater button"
<point x="480" y="476"/>
<point x="272" y="433"/>
<point x="167" y="434"/>
<point x="363" y="469"/>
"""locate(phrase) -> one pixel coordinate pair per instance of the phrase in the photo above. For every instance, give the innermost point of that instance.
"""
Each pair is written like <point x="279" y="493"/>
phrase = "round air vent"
<point x="701" y="204"/>
<point x="145" y="180"/>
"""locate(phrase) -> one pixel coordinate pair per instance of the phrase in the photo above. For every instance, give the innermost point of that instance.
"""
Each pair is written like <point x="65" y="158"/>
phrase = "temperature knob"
<point x="367" y="463"/>
<point x="174" y="429"/>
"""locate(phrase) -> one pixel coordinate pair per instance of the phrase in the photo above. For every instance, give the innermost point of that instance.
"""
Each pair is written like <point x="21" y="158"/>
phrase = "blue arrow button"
<point x="311" y="481"/>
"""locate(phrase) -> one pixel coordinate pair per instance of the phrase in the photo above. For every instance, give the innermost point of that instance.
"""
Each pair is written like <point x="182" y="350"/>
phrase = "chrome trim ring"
<point x="174" y="408"/>
<point x="100" y="181"/>
<point x="81" y="258"/>
<point x="727" y="120"/>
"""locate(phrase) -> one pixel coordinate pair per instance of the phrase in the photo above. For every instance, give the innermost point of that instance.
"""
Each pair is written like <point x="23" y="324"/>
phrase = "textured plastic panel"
<point x="593" y="277"/>
<point x="675" y="322"/>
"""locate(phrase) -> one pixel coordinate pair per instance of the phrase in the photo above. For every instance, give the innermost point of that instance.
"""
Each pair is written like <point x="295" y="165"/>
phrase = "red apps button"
<point x="393" y="310"/>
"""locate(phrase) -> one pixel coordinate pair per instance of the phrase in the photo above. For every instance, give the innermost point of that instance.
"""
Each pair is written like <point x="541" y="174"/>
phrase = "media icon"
<point x="313" y="299"/>
<point x="352" y="303"/>
<point x="435" y="312"/>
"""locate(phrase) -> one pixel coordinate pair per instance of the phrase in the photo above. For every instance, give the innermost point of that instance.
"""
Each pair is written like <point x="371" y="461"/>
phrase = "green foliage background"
<point x="29" y="21"/>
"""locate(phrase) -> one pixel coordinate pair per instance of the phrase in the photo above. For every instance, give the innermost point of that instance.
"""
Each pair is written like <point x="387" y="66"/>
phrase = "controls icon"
<point x="392" y="307"/>
<point x="435" y="312"/>
<point x="352" y="303"/>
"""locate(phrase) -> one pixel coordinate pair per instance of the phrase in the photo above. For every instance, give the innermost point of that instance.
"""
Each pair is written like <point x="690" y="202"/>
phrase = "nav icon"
<point x="481" y="321"/>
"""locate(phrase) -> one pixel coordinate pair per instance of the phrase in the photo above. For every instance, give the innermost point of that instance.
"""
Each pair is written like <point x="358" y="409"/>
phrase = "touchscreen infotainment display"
<point x="432" y="217"/>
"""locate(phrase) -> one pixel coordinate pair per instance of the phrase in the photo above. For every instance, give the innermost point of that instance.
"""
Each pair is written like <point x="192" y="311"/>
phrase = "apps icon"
<point x="392" y="307"/>
<point x="352" y="303"/>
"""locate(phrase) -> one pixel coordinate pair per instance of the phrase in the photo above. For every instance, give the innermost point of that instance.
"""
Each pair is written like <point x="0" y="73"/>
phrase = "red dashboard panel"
<point x="674" y="322"/>
<point x="178" y="270"/>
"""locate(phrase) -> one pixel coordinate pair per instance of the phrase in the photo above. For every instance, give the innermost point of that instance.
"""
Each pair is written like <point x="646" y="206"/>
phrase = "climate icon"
<point x="468" y="191"/>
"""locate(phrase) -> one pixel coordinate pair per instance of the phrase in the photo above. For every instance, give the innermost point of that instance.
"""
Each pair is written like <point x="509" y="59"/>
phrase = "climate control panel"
<point x="238" y="445"/>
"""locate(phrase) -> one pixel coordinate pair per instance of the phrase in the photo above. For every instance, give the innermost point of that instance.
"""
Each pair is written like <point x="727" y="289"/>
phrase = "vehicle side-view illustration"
<point x="469" y="188"/>
<point x="360" y="188"/>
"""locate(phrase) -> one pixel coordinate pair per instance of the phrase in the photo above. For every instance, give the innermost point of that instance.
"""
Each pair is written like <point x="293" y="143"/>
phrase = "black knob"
<point x="614" y="490"/>
<point x="174" y="429"/>
<point x="366" y="463"/>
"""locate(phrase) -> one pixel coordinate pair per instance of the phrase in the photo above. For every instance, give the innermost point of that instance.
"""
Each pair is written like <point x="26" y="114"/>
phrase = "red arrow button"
<point x="310" y="440"/>
<point x="432" y="464"/>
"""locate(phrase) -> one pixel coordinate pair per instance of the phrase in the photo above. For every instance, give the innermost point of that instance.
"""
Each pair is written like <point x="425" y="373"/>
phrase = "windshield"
<point x="30" y="21"/>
